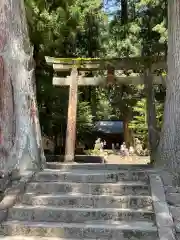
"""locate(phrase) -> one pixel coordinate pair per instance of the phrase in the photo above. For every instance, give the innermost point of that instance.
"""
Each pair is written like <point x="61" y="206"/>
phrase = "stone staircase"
<point x="84" y="201"/>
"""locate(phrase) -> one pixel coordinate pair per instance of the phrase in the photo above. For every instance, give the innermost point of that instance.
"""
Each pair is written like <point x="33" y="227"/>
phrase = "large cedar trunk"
<point x="169" y="147"/>
<point x="20" y="138"/>
<point x="153" y="134"/>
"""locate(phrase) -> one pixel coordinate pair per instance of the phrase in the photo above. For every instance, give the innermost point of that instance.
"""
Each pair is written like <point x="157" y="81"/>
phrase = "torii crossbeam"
<point x="112" y="70"/>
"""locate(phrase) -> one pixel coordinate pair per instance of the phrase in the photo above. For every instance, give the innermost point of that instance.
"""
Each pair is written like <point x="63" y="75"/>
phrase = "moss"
<point x="75" y="59"/>
<point x="164" y="74"/>
<point x="135" y="59"/>
<point x="139" y="63"/>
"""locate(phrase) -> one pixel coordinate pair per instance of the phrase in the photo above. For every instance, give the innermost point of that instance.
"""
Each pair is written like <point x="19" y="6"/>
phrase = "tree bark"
<point x="169" y="147"/>
<point x="124" y="11"/>
<point x="20" y="138"/>
<point x="126" y="132"/>
<point x="153" y="134"/>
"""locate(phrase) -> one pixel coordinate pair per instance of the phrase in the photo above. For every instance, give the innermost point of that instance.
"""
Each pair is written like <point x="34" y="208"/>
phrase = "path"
<point x="88" y="202"/>
<point x="117" y="159"/>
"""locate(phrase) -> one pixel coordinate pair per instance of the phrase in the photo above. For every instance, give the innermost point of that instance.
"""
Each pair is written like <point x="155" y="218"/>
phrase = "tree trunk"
<point x="169" y="147"/>
<point x="124" y="11"/>
<point x="153" y="134"/>
<point x="20" y="138"/>
<point x="126" y="132"/>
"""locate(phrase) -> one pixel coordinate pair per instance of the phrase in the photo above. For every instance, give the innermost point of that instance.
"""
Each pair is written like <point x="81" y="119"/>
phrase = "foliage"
<point x="84" y="30"/>
<point x="84" y="120"/>
<point x="139" y="123"/>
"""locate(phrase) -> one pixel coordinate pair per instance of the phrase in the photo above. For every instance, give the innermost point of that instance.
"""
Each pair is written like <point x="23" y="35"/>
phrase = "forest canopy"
<point x="92" y="29"/>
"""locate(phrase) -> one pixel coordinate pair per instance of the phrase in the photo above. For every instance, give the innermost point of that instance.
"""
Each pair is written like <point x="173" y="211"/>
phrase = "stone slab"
<point x="97" y="166"/>
<point x="119" y="188"/>
<point x="175" y="211"/>
<point x="177" y="226"/>
<point x="157" y="189"/>
<point x="50" y="238"/>
<point x="167" y="234"/>
<point x="164" y="219"/>
<point x="88" y="201"/>
<point x="166" y="177"/>
<point x="91" y="176"/>
<point x="170" y="189"/>
<point x="78" y="215"/>
<point x="173" y="198"/>
<point x="163" y="216"/>
<point x="11" y="194"/>
<point x="117" y="230"/>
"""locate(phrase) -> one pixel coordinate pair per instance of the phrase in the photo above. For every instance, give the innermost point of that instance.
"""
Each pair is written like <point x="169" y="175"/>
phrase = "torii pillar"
<point x="71" y="119"/>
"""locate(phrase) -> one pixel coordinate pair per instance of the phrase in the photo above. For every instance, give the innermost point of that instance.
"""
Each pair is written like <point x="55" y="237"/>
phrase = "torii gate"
<point x="123" y="71"/>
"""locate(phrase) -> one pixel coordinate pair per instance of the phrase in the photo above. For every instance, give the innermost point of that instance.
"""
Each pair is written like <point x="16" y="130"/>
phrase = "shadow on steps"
<point x="78" y="159"/>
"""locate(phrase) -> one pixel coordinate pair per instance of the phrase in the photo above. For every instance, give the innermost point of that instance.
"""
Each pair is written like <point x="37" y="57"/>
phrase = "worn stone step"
<point x="88" y="200"/>
<point x="37" y="238"/>
<point x="77" y="215"/>
<point x="48" y="238"/>
<point x="119" y="188"/>
<point x="117" y="230"/>
<point x="91" y="176"/>
<point x="42" y="238"/>
<point x="97" y="166"/>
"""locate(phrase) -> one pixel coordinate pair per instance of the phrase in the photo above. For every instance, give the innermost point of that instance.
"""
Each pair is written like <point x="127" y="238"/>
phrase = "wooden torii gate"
<point x="122" y="71"/>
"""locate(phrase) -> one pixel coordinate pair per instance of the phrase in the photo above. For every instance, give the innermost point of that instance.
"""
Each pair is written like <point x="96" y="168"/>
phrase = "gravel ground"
<point x="116" y="159"/>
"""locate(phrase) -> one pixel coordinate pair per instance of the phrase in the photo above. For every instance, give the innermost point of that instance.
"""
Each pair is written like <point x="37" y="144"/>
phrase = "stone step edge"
<point x="40" y="238"/>
<point x="114" y="225"/>
<point x="84" y="195"/>
<point x="93" y="172"/>
<point x="50" y="207"/>
<point x="120" y="183"/>
<point x="138" y="166"/>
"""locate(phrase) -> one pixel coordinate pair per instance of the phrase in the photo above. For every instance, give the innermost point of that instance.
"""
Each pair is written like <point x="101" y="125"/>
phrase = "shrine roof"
<point x="113" y="127"/>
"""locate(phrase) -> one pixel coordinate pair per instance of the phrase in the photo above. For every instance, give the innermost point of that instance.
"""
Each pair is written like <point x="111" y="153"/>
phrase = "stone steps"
<point x="88" y="200"/>
<point x="96" y="166"/>
<point x="84" y="201"/>
<point x="91" y="176"/>
<point x="119" y="188"/>
<point x="78" y="215"/>
<point x="109" y="230"/>
<point x="42" y="238"/>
